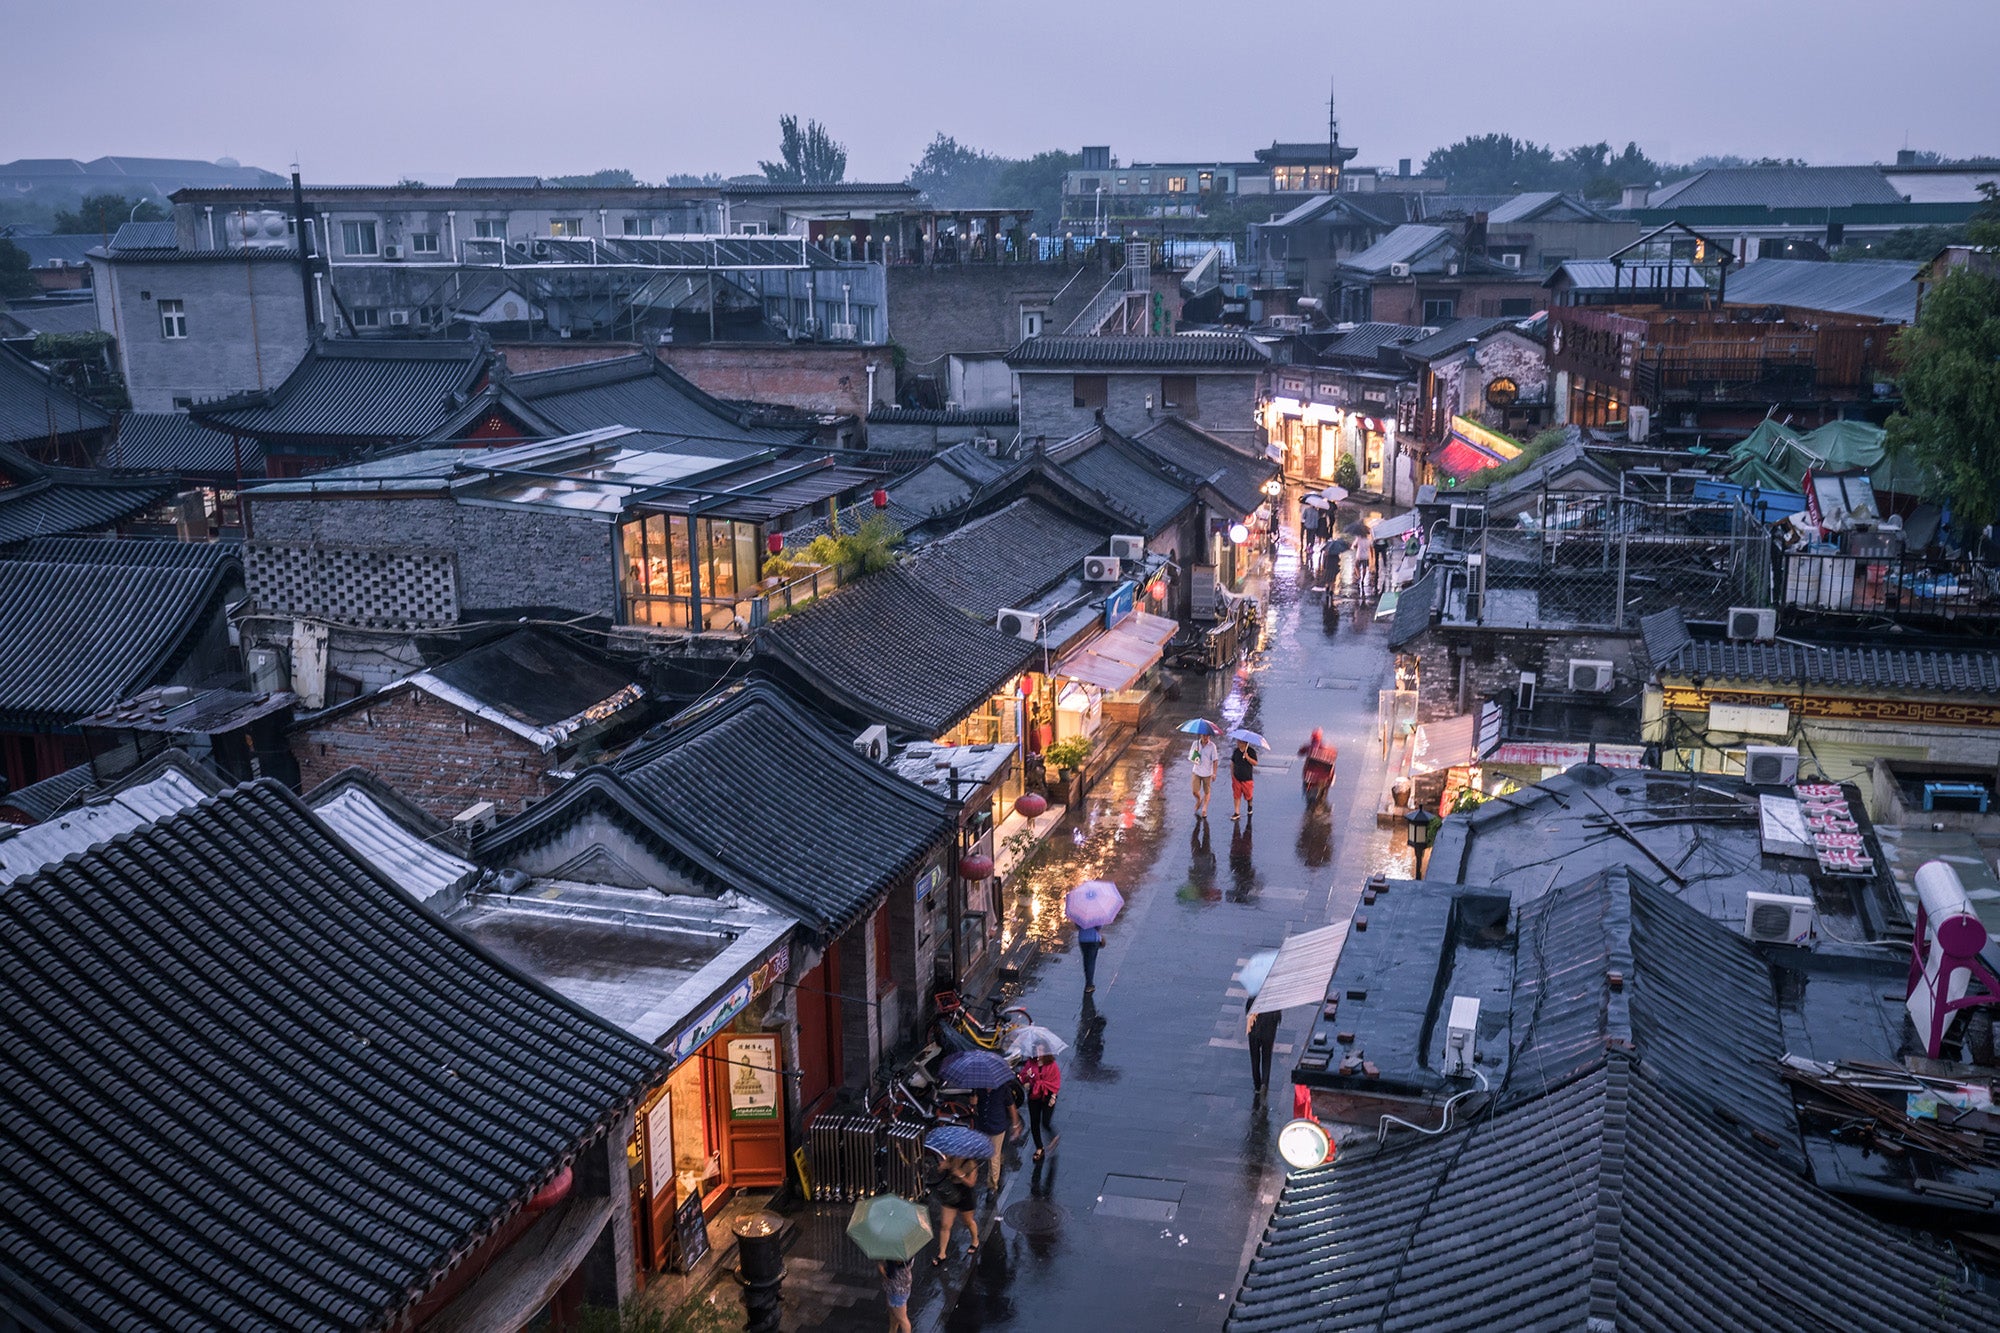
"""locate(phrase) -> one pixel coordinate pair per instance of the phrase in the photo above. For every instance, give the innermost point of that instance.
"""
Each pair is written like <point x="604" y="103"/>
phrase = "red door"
<point x="819" y="1031"/>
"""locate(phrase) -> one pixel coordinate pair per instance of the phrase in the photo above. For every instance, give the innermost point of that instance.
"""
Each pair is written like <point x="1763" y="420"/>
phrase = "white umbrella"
<point x="1023" y="1042"/>
<point x="1318" y="502"/>
<point x="1334" y="494"/>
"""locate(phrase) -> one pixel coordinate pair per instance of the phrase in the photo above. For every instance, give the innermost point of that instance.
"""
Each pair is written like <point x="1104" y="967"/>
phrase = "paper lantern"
<point x="976" y="867"/>
<point x="1031" y="804"/>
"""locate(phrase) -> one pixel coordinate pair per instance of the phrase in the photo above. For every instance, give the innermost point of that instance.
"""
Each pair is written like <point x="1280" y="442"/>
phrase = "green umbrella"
<point x="889" y="1226"/>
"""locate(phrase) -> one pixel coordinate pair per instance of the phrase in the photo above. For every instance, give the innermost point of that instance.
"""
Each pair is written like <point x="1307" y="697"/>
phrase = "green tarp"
<point x="1775" y="456"/>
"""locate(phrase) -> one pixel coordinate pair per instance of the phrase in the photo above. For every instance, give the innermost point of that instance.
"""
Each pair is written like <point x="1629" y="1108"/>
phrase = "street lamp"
<point x="1304" y="1144"/>
<point x="1420" y="835"/>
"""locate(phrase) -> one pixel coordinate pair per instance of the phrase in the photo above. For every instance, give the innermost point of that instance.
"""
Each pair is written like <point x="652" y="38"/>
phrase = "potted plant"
<point x="1068" y="755"/>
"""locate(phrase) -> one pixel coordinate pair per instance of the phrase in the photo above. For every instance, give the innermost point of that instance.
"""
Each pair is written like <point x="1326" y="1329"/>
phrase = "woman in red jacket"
<point x="1043" y="1081"/>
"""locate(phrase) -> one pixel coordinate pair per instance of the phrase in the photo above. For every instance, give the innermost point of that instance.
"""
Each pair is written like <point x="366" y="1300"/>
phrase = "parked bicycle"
<point x="959" y="1028"/>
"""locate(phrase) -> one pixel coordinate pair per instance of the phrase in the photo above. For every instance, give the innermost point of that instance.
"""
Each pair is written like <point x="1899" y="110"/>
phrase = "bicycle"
<point x="956" y="1020"/>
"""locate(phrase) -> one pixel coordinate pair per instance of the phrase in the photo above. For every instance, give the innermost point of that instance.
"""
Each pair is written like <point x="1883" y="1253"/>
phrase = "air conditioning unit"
<point x="1511" y="259"/>
<point x="1589" y="675"/>
<point x="1102" y="568"/>
<point x="392" y="252"/>
<point x="476" y="819"/>
<point x="1638" y="423"/>
<point x="1128" y="547"/>
<point x="543" y="250"/>
<point x="1461" y="1042"/>
<point x="1524" y="695"/>
<point x="873" y="744"/>
<point x="842" y="332"/>
<point x="1468" y="518"/>
<point x="1771" y="765"/>
<point x="1751" y="622"/>
<point x="1399" y="270"/>
<point x="399" y="316"/>
<point x="1777" y="918"/>
<point x="521" y="249"/>
<point x="1287" y="323"/>
<point x="1021" y="624"/>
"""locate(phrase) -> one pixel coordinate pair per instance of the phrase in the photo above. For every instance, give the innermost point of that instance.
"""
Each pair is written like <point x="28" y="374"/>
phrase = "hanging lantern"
<point x="1031" y="804"/>
<point x="976" y="867"/>
<point x="553" y="1193"/>
<point x="1239" y="533"/>
<point x="775" y="542"/>
<point x="881" y="498"/>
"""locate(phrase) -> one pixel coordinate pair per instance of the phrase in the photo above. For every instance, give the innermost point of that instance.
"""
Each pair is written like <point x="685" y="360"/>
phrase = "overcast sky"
<point x="363" y="91"/>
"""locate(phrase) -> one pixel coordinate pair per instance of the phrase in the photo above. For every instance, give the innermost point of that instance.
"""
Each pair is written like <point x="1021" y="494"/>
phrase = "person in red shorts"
<point x="1242" y="780"/>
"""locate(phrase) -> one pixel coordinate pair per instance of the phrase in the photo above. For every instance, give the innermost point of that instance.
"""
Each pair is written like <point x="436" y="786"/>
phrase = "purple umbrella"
<point x="958" y="1141"/>
<point x="978" y="1070"/>
<point x="1095" y="902"/>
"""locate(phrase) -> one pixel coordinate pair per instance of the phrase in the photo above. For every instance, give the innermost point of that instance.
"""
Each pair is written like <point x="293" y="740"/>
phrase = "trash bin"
<point x="760" y="1265"/>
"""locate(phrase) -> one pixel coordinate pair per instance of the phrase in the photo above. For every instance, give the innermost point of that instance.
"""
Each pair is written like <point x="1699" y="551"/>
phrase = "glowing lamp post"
<point x="1305" y="1144"/>
<point x="1420" y="835"/>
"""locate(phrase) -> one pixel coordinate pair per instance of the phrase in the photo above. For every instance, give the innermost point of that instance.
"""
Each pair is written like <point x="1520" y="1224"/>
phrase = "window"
<point x="565" y="226"/>
<point x="492" y="229"/>
<point x="173" y="319"/>
<point x="358" y="238"/>
<point x="1207" y="179"/>
<point x="639" y="226"/>
<point x="1177" y="393"/>
<point x="1288" y="178"/>
<point x="1441" y="310"/>
<point x="1511" y="258"/>
<point x="423" y="242"/>
<point x="1513" y="306"/>
<point x="1031" y="323"/>
<point x="367" y="317"/>
<point x="1086" y="390"/>
<point x="430" y="314"/>
<point x="1089" y="184"/>
<point x="180" y="402"/>
<point x="1176" y="185"/>
<point x="751" y="229"/>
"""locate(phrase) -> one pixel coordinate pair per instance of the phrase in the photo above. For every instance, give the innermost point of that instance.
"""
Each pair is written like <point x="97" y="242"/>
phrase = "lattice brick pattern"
<point x="375" y="586"/>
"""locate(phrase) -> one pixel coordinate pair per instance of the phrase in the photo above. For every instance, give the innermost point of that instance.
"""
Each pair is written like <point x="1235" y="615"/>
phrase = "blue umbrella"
<point x="977" y="1070"/>
<point x="1257" y="969"/>
<point x="1200" y="726"/>
<point x="958" y="1141"/>
<point x="1243" y="734"/>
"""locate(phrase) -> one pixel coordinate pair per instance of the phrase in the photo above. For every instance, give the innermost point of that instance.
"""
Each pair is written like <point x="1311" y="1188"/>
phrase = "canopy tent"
<point x="1776" y="457"/>
<point x="1400" y="526"/>
<point x="1302" y="970"/>
<point x="1116" y="658"/>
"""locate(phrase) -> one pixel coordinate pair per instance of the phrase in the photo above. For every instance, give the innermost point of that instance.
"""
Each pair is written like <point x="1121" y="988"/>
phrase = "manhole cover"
<point x="1338" y="683"/>
<point x="1037" y="1217"/>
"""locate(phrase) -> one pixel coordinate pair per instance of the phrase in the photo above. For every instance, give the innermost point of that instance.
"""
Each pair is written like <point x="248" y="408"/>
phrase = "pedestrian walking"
<point x="1043" y="1080"/>
<point x="996" y="1113"/>
<point x="1262" y="1030"/>
<point x="897" y="1279"/>
<point x="1089" y="939"/>
<point x="956" y="1198"/>
<point x="1202" y="761"/>
<point x="1242" y="780"/>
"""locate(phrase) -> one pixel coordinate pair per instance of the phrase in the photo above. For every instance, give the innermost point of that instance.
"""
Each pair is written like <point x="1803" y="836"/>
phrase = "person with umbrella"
<point x="891" y="1231"/>
<point x="1202" y="761"/>
<point x="1043" y="1080"/>
<point x="1243" y="774"/>
<point x="957" y="1197"/>
<point x="1261" y="1029"/>
<point x="1092" y="905"/>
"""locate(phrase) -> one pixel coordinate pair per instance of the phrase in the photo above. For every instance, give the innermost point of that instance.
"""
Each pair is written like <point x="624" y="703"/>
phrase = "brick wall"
<point x="441" y="758"/>
<point x="936" y="311"/>
<point x="507" y="557"/>
<point x="1495" y="660"/>
<point x="1225" y="405"/>
<point x="814" y="377"/>
<point x="524" y="357"/>
<point x="246" y="327"/>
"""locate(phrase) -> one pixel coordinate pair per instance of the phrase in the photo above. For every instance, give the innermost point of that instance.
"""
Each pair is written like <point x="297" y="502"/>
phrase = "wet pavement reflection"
<point x="1145" y="1214"/>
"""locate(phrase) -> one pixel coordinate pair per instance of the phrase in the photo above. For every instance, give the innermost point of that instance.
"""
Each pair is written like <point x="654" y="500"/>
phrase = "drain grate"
<point x="1036" y="1217"/>
<point x="1141" y="1198"/>
<point x="1338" y="683"/>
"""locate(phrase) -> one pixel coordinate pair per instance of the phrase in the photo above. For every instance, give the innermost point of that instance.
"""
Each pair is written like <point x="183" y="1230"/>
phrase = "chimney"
<point x="1634" y="196"/>
<point x="1906" y="157"/>
<point x="1403" y="166"/>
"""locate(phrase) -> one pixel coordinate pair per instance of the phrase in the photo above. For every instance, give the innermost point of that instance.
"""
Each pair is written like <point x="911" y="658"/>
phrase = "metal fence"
<point x="850" y="1157"/>
<point x="1905" y="587"/>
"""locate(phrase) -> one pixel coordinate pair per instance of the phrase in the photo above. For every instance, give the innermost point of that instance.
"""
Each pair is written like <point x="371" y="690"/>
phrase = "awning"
<point x="1400" y="525"/>
<point x="1446" y="743"/>
<point x="1302" y="970"/>
<point x="1117" y="657"/>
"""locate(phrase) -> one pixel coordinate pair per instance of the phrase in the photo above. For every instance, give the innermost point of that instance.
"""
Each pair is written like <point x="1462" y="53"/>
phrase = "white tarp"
<point x="1303" y="969"/>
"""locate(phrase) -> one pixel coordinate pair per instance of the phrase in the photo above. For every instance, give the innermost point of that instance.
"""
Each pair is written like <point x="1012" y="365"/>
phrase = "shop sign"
<point x="1118" y="604"/>
<point x="1502" y="392"/>
<point x="660" y="1144"/>
<point x="753" y="1078"/>
<point x="928" y="881"/>
<point x="696" y="1034"/>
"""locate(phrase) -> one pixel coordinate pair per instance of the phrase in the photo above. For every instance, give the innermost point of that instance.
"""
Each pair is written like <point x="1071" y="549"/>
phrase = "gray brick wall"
<point x="1225" y="405"/>
<point x="245" y="327"/>
<point x="1495" y="660"/>
<point x="935" y="311"/>
<point x="506" y="557"/>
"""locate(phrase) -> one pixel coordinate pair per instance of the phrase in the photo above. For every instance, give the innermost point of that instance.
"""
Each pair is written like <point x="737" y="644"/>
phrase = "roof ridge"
<point x="1608" y="1230"/>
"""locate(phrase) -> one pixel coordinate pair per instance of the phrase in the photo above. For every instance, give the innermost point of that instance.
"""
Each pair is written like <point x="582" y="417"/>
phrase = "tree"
<point x="105" y="212"/>
<point x="708" y="180"/>
<point x="611" y="178"/>
<point x="411" y="183"/>
<point x="1036" y="183"/>
<point x="15" y="277"/>
<point x="808" y="157"/>
<point x="955" y="175"/>
<point x="1950" y="420"/>
<point x="1494" y="164"/>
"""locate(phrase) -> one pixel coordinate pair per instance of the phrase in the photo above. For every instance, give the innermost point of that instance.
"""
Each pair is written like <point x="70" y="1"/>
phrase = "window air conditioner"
<point x="841" y="332"/>
<point x="392" y="252"/>
<point x="1128" y="547"/>
<point x="476" y="819"/>
<point x="1589" y="675"/>
<point x="1461" y="1049"/>
<point x="1468" y="518"/>
<point x="1750" y="622"/>
<point x="873" y="744"/>
<point x="1777" y="918"/>
<point x="1102" y="568"/>
<point x="1771" y="765"/>
<point x="399" y="316"/>
<point x="1399" y="270"/>
<point x="1021" y="624"/>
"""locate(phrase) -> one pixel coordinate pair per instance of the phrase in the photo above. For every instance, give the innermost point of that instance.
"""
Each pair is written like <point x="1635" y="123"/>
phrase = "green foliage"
<point x="1903" y="243"/>
<point x="611" y="178"/>
<point x="806" y="157"/>
<point x="1069" y="752"/>
<point x="1493" y="164"/>
<point x="1951" y="393"/>
<point x="1531" y="451"/>
<point x="708" y="180"/>
<point x="640" y="1316"/>
<point x="956" y="175"/>
<point x="870" y="547"/>
<point x="16" y="278"/>
<point x="71" y="346"/>
<point x="105" y="212"/>
<point x="1346" y="472"/>
<point x="411" y="183"/>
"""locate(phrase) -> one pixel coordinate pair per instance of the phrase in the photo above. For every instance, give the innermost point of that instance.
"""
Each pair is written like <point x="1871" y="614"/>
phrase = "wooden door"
<point x="819" y="1031"/>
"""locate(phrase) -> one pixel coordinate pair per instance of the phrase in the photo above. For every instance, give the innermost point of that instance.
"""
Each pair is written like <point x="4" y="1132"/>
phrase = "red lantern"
<point x="881" y="498"/>
<point x="1031" y="804"/>
<point x="976" y="867"/>
<point x="553" y="1193"/>
<point x="775" y="542"/>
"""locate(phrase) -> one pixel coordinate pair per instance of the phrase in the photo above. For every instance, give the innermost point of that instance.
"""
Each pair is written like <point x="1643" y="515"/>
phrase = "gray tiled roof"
<point x="229" y="1107"/>
<point x="38" y="501"/>
<point x="359" y="389"/>
<point x="176" y="442"/>
<point x="39" y="800"/>
<point x="643" y="392"/>
<point x="1005" y="558"/>
<point x="1778" y="187"/>
<point x="1365" y="341"/>
<point x="32" y="404"/>
<point x="1134" y="482"/>
<point x="1455" y="335"/>
<point x="1176" y="349"/>
<point x="534" y="676"/>
<point x="889" y="648"/>
<point x="942" y="416"/>
<point x="1236" y="476"/>
<point x="1925" y="670"/>
<point x="1405" y="245"/>
<point x="144" y="236"/>
<point x="1603" y="1203"/>
<point x="86" y="622"/>
<point x="1414" y="605"/>
<point x="1881" y="288"/>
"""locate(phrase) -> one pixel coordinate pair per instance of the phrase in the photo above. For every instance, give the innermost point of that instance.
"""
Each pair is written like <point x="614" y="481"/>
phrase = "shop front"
<point x="717" y="1125"/>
